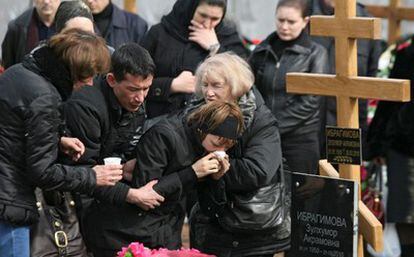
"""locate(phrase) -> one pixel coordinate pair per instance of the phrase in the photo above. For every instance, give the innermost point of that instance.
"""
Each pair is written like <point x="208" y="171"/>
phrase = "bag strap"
<point x="60" y="237"/>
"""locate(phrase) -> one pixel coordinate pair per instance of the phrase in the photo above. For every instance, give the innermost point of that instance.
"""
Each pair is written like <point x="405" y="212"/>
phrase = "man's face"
<point x="131" y="91"/>
<point x="97" y="6"/>
<point x="46" y="7"/>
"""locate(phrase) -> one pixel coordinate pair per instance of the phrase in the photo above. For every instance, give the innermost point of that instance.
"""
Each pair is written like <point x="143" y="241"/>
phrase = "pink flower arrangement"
<point x="139" y="250"/>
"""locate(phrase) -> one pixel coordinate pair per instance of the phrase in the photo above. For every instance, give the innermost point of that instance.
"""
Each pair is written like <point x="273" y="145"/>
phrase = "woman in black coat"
<point x="255" y="170"/>
<point x="32" y="93"/>
<point x="193" y="30"/>
<point x="290" y="49"/>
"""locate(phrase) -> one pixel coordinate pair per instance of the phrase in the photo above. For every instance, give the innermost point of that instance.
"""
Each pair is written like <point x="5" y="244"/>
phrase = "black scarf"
<point x="278" y="45"/>
<point x="51" y="68"/>
<point x="103" y="19"/>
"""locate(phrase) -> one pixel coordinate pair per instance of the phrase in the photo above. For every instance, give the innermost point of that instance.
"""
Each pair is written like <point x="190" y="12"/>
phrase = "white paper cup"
<point x="112" y="160"/>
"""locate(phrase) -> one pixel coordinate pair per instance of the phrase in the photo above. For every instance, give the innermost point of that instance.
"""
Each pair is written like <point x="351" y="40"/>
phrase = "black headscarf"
<point x="178" y="20"/>
<point x="176" y="24"/>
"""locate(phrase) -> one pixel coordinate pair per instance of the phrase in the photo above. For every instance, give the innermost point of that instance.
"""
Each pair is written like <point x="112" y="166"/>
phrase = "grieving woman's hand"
<point x="145" y="197"/>
<point x="184" y="83"/>
<point x="202" y="36"/>
<point x="224" y="166"/>
<point x="206" y="165"/>
<point x="72" y="147"/>
<point x="108" y="175"/>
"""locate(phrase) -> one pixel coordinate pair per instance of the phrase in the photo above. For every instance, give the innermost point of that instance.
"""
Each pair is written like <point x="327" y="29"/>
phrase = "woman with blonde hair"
<point x="219" y="224"/>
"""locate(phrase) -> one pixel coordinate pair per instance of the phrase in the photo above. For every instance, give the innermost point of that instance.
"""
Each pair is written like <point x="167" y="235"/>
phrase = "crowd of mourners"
<point x="204" y="129"/>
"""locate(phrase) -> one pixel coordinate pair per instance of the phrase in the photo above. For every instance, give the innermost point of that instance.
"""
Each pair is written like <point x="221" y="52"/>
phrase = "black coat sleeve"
<point x="156" y="152"/>
<point x="83" y="122"/>
<point x="41" y="123"/>
<point x="260" y="157"/>
<point x="304" y="106"/>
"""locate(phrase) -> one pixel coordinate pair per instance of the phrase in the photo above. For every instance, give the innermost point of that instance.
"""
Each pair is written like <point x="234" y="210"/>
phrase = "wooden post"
<point x="130" y="6"/>
<point x="348" y="87"/>
<point x="395" y="13"/>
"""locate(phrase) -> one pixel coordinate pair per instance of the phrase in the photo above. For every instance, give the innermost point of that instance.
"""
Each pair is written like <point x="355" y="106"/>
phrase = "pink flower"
<point x="135" y="250"/>
<point x="139" y="250"/>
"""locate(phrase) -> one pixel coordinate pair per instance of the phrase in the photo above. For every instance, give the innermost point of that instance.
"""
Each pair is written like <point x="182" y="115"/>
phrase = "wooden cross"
<point x="348" y="87"/>
<point x="130" y="6"/>
<point x="395" y="13"/>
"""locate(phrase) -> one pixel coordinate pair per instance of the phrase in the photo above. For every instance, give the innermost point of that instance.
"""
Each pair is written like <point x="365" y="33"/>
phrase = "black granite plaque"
<point x="324" y="216"/>
<point x="343" y="145"/>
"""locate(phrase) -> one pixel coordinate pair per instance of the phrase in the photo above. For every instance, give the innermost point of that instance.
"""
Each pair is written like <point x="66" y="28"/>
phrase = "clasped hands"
<point x="212" y="165"/>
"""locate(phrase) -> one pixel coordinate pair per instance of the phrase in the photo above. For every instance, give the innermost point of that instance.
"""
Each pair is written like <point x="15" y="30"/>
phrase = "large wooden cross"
<point x="395" y="13"/>
<point x="348" y="87"/>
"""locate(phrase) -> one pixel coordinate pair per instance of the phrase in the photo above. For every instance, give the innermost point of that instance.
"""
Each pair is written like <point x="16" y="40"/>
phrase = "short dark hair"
<point x="301" y="5"/>
<point x="84" y="53"/>
<point x="219" y="3"/>
<point x="133" y="59"/>
<point x="71" y="9"/>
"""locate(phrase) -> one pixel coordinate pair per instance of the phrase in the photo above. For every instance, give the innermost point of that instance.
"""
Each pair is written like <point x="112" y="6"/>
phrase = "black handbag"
<point x="263" y="210"/>
<point x="57" y="233"/>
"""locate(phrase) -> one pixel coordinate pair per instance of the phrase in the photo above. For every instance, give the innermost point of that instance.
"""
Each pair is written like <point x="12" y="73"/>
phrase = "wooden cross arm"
<point x="401" y="13"/>
<point x="369" y="226"/>
<point x="357" y="87"/>
<point x="356" y="27"/>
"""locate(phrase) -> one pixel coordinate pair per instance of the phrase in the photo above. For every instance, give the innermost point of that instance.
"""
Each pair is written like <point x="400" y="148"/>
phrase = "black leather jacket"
<point x="295" y="113"/>
<point x="94" y="116"/>
<point x="29" y="137"/>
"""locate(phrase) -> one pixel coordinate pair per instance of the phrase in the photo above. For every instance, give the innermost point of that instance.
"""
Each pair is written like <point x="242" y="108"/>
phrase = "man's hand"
<point x="206" y="165"/>
<point x="224" y="166"/>
<point x="202" y="36"/>
<point x="128" y="169"/>
<point x="145" y="197"/>
<point x="108" y="175"/>
<point x="184" y="83"/>
<point x="72" y="147"/>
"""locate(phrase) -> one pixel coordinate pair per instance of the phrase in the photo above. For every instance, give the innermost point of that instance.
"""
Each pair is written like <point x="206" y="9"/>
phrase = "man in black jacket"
<point x="27" y="30"/>
<point x="369" y="52"/>
<point x="109" y="118"/>
<point x="115" y="25"/>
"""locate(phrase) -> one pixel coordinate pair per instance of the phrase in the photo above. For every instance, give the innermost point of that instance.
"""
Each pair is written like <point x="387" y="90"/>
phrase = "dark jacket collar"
<point x="25" y="18"/>
<point x="301" y="46"/>
<point x="44" y="62"/>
